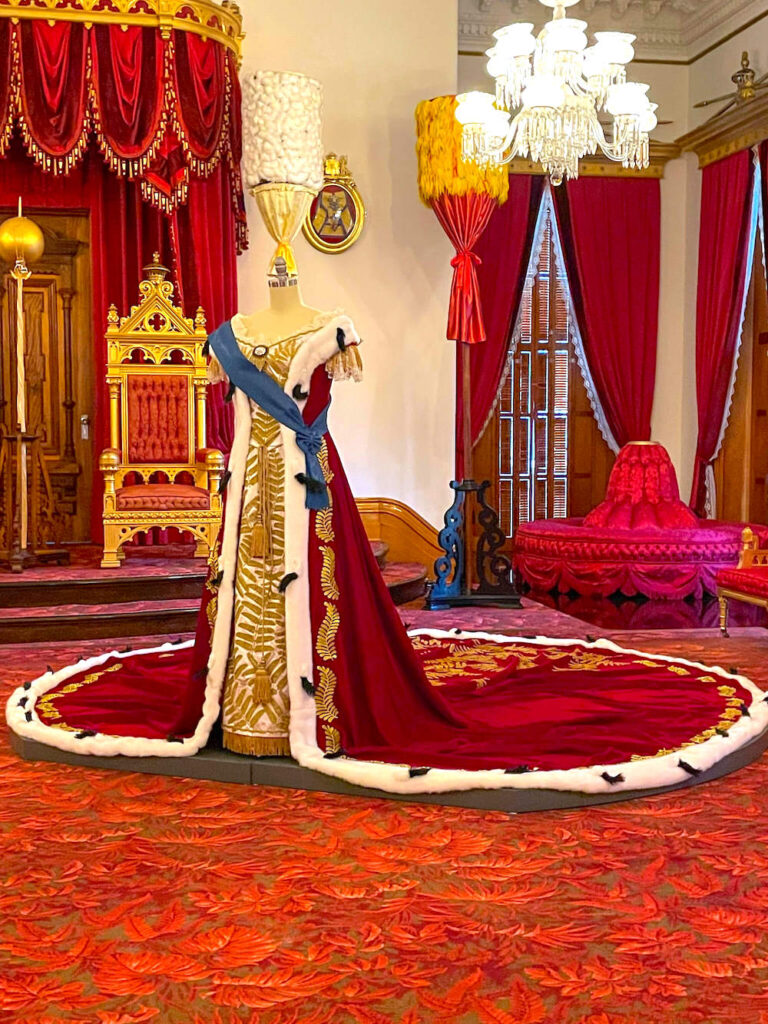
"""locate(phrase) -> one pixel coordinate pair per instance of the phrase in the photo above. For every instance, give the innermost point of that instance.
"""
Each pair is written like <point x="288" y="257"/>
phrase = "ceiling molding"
<point x="600" y="166"/>
<point x="674" y="30"/>
<point x="737" y="129"/>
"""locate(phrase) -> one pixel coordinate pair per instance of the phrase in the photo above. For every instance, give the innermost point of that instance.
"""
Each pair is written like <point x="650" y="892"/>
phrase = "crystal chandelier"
<point x="559" y="85"/>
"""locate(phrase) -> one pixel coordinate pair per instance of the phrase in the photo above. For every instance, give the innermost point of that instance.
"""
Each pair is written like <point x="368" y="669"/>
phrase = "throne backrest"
<point x="156" y="374"/>
<point x="158" y="425"/>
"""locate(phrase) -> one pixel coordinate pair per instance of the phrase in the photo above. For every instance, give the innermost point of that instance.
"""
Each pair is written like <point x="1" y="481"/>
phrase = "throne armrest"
<point x="751" y="554"/>
<point x="214" y="463"/>
<point x="109" y="463"/>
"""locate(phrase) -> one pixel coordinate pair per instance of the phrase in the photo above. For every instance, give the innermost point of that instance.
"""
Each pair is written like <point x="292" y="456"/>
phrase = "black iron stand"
<point x="453" y="587"/>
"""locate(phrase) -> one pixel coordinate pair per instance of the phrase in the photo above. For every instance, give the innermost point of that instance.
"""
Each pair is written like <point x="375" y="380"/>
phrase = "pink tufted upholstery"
<point x="642" y="539"/>
<point x="163" y="497"/>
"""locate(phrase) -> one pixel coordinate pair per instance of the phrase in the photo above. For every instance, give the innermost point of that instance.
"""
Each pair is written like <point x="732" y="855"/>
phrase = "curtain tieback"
<point x="464" y="259"/>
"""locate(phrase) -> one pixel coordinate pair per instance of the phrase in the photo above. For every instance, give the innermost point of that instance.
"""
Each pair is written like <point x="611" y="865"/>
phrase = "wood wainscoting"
<point x="409" y="537"/>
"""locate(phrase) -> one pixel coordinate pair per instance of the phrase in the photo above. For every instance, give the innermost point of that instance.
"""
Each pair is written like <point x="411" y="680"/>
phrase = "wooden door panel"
<point x="58" y="364"/>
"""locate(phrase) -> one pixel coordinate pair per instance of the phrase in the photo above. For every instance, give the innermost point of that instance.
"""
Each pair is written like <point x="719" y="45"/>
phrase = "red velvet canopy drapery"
<point x="142" y="130"/>
<point x="610" y="232"/>
<point x="726" y="247"/>
<point x="502" y="252"/>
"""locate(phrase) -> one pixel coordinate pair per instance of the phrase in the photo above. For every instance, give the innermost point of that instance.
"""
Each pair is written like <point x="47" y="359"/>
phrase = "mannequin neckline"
<point x="242" y="332"/>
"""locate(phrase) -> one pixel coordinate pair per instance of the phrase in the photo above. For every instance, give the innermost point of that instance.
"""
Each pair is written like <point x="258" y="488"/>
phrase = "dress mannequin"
<point x="286" y="314"/>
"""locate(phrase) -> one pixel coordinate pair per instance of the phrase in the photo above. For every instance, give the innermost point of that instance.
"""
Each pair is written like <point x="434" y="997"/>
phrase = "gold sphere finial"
<point x="155" y="270"/>
<point x="21" y="240"/>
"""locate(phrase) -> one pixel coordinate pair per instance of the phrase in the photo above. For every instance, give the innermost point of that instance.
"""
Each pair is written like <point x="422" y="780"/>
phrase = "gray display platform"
<point x="284" y="773"/>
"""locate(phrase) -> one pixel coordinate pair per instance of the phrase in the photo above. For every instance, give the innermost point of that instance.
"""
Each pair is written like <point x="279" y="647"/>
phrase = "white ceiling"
<point x="665" y="29"/>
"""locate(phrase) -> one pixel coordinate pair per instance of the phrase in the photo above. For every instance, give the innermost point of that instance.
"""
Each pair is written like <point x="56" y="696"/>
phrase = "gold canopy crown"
<point x="219" y="21"/>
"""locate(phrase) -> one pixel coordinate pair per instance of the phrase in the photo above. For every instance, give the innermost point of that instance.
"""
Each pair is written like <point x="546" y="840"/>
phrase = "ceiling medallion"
<point x="549" y="90"/>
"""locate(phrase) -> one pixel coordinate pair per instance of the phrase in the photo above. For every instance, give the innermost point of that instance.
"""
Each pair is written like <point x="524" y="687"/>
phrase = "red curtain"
<point x="725" y="245"/>
<point x="165" y="115"/>
<point x="128" y="71"/>
<point x="464" y="218"/>
<point x="197" y="243"/>
<point x="502" y="254"/>
<point x="610" y="230"/>
<point x="163" y="110"/>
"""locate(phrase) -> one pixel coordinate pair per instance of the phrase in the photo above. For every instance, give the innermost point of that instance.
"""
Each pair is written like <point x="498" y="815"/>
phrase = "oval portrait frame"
<point x="337" y="178"/>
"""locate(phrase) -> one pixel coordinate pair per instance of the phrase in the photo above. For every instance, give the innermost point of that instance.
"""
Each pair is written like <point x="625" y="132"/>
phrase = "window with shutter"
<point x="534" y="408"/>
<point x="542" y="451"/>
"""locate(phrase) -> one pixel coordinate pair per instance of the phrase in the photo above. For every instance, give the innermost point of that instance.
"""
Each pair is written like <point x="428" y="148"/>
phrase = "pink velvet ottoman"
<point x="642" y="539"/>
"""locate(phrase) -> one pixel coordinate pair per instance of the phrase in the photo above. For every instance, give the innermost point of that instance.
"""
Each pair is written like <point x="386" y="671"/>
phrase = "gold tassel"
<point x="261" y="685"/>
<point x="259" y="540"/>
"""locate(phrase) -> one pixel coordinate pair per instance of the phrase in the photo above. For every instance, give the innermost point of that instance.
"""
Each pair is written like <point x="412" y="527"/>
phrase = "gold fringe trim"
<point x="257" y="746"/>
<point x="441" y="168"/>
<point x="13" y="117"/>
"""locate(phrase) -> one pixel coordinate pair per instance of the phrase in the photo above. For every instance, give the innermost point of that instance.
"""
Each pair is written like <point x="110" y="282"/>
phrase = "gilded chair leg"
<point x="111" y="559"/>
<point x="201" y="549"/>
<point x="723" y="602"/>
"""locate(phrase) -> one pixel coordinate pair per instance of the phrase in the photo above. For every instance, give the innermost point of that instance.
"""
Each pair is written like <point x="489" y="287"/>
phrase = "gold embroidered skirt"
<point x="255" y="704"/>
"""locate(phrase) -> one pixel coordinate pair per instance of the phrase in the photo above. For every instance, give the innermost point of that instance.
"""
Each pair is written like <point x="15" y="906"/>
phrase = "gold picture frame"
<point x="336" y="216"/>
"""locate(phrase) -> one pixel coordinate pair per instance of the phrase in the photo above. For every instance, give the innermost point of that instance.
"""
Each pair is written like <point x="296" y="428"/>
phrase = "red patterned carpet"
<point x="129" y="898"/>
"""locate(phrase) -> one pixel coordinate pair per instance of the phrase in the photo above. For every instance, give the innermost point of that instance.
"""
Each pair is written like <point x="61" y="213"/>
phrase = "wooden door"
<point x="59" y="365"/>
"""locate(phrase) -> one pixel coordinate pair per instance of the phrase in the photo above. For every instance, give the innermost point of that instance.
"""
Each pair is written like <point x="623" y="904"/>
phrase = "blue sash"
<point x="267" y="393"/>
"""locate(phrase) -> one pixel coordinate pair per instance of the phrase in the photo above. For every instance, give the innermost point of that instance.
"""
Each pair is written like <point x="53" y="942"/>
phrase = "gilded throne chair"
<point x="157" y="470"/>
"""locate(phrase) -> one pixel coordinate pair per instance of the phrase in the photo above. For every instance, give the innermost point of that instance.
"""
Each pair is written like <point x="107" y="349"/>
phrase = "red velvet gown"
<point x="431" y="711"/>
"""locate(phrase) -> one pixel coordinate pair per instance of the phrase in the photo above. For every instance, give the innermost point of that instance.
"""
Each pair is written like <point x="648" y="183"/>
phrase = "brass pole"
<point x="20" y="274"/>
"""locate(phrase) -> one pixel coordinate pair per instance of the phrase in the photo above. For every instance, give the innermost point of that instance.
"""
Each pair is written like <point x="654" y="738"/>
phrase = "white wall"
<point x="395" y="430"/>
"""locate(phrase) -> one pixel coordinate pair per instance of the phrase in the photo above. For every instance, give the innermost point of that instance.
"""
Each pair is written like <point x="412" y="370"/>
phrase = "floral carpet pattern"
<point x="131" y="898"/>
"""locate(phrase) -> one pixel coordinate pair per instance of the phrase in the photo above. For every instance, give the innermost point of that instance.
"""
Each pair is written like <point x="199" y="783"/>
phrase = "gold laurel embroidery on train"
<point x="213" y="570"/>
<point x="324" y="525"/>
<point x="328" y="574"/>
<point x="588" y="661"/>
<point x="473" y="662"/>
<point x="322" y="458"/>
<point x="728" y="717"/>
<point x="678" y="670"/>
<point x="45" y="704"/>
<point x="326" y="709"/>
<point x="332" y="739"/>
<point x="326" y="634"/>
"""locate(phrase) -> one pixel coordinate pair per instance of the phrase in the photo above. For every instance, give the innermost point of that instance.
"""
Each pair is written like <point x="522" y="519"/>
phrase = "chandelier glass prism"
<point x="550" y="90"/>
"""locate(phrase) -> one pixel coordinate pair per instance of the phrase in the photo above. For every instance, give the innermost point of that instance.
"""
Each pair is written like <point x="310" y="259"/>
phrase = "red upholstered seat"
<point x="751" y="580"/>
<point x="162" y="497"/>
<point x="642" y="539"/>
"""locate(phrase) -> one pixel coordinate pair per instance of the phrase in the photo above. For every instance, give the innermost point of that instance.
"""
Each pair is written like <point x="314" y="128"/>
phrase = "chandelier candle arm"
<point x="549" y="91"/>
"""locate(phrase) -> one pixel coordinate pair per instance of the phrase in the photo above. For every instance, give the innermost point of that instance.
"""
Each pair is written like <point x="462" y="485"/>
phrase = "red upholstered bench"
<point x="642" y="539"/>
<point x="748" y="581"/>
